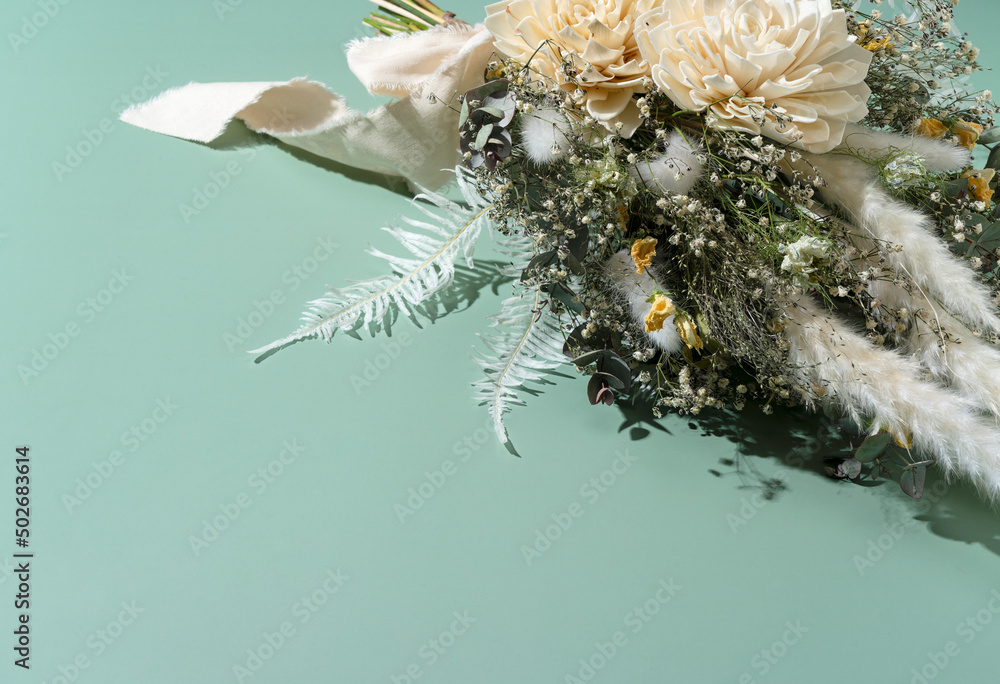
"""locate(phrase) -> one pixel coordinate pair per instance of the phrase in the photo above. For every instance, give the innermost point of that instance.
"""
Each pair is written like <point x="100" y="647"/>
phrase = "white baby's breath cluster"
<point x="806" y="255"/>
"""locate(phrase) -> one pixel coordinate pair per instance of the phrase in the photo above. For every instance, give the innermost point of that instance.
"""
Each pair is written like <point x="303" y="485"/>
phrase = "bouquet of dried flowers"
<point x="702" y="202"/>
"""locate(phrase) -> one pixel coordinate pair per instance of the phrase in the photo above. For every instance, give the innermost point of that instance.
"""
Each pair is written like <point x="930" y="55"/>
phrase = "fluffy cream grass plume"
<point x="962" y="359"/>
<point x="925" y="259"/>
<point x="675" y="170"/>
<point x="938" y="155"/>
<point x="966" y="362"/>
<point x="887" y="388"/>
<point x="635" y="289"/>
<point x="543" y="135"/>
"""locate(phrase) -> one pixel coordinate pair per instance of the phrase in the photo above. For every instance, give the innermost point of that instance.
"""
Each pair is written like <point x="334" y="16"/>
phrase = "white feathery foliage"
<point x="636" y="289"/>
<point x="962" y="360"/>
<point x="891" y="388"/>
<point x="449" y="231"/>
<point x="543" y="135"/>
<point x="925" y="259"/>
<point x="675" y="170"/>
<point x="938" y="155"/>
<point x="888" y="388"/>
<point x="525" y="343"/>
<point x="967" y="363"/>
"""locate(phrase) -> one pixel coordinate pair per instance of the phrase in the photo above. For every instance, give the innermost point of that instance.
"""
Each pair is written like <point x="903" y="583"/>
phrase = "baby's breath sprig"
<point x="920" y="65"/>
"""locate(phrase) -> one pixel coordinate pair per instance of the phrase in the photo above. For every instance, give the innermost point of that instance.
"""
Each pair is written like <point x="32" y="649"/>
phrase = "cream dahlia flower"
<point x="595" y="38"/>
<point x="785" y="68"/>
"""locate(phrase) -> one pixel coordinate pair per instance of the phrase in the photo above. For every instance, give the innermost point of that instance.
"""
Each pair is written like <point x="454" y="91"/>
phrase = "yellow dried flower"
<point x="662" y="309"/>
<point x="643" y="251"/>
<point x="688" y="331"/>
<point x="979" y="185"/>
<point x="623" y="217"/>
<point x="930" y="128"/>
<point x="878" y="44"/>
<point x="967" y="133"/>
<point x="496" y="70"/>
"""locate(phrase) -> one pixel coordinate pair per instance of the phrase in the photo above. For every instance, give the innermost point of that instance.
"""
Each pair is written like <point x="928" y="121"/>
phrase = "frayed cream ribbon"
<point x="414" y="137"/>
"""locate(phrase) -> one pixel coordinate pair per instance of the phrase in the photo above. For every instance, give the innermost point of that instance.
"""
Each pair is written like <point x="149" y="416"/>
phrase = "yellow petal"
<point x="643" y="251"/>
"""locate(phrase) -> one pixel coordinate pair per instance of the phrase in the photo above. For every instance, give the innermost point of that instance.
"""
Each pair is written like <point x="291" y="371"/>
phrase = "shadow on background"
<point x="795" y="438"/>
<point x="237" y="135"/>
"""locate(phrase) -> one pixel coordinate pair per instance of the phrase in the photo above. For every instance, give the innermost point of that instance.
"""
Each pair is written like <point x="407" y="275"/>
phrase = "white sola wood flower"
<point x="786" y="68"/>
<point x="588" y="47"/>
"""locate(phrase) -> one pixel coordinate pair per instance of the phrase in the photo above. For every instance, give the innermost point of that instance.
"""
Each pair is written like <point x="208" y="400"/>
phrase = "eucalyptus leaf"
<point x="538" y="262"/>
<point x="505" y="104"/>
<point x="479" y="118"/>
<point x="610" y="380"/>
<point x="463" y="116"/>
<point x="955" y="188"/>
<point x="993" y="162"/>
<point x="589" y="357"/>
<point x="988" y="240"/>
<point x="495" y="112"/>
<point x="873" y="447"/>
<point x="912" y="481"/>
<point x="501" y="146"/>
<point x="483" y="137"/>
<point x="574" y="265"/>
<point x="990" y="136"/>
<point x="580" y="243"/>
<point x="597" y="391"/>
<point x="487" y="89"/>
<point x="565" y="295"/>
<point x="851" y="468"/>
<point x="616" y="366"/>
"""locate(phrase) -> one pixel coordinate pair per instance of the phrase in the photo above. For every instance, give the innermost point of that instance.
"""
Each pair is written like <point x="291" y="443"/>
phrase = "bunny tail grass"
<point x="636" y="289"/>
<point x="964" y="361"/>
<point x="925" y="259"/>
<point x="886" y="388"/>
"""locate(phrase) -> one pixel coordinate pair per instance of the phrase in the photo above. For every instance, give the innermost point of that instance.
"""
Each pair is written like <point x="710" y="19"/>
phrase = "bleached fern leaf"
<point x="516" y="250"/>
<point x="435" y="243"/>
<point x="526" y="343"/>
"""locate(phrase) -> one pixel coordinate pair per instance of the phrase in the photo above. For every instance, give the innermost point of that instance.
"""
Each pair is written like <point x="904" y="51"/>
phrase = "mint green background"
<point x="162" y="338"/>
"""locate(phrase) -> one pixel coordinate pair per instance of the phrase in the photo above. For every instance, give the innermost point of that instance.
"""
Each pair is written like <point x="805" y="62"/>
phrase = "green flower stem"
<point x="406" y="16"/>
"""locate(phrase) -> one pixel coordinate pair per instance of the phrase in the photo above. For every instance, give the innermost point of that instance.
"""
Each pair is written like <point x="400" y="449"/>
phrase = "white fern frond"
<point x="526" y="344"/>
<point x="435" y="245"/>
<point x="516" y="251"/>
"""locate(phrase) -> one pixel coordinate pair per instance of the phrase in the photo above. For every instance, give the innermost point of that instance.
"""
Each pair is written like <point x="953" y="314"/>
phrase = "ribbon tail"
<point x="414" y="137"/>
